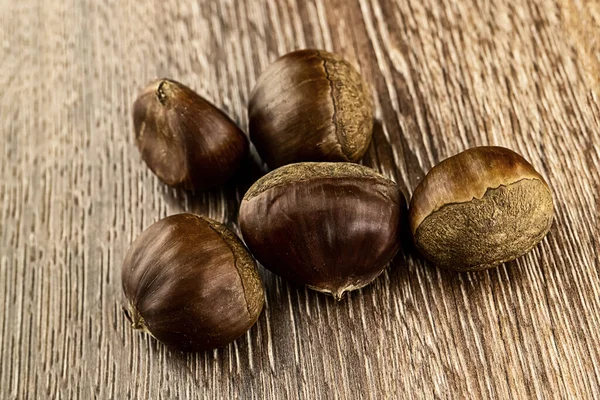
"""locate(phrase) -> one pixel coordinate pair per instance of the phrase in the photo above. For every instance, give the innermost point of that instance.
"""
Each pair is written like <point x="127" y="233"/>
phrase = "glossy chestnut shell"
<point x="184" y="139"/>
<point x="310" y="105"/>
<point x="331" y="226"/>
<point x="191" y="283"/>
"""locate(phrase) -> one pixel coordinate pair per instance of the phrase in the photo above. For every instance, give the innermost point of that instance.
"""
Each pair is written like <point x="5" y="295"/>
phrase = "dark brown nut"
<point x="331" y="226"/>
<point x="184" y="139"/>
<point x="480" y="208"/>
<point x="310" y="105"/>
<point x="191" y="283"/>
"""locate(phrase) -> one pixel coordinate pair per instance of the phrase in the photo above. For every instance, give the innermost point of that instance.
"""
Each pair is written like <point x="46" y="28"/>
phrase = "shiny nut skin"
<point x="191" y="283"/>
<point x="310" y="105"/>
<point x="480" y="208"/>
<point x="184" y="139"/>
<point x="331" y="226"/>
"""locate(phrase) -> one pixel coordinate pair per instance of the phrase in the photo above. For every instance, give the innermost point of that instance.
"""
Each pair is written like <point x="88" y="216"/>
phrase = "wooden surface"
<point x="445" y="74"/>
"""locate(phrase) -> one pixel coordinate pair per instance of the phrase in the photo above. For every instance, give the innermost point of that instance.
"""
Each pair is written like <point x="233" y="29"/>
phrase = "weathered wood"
<point x="445" y="75"/>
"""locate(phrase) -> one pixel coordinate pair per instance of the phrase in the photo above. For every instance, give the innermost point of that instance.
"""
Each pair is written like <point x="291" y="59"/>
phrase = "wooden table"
<point x="445" y="75"/>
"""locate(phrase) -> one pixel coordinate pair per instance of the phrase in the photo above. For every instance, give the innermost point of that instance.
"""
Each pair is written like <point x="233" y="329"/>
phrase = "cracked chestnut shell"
<point x="480" y="208"/>
<point x="331" y="226"/>
<point x="184" y="139"/>
<point x="310" y="105"/>
<point x="191" y="283"/>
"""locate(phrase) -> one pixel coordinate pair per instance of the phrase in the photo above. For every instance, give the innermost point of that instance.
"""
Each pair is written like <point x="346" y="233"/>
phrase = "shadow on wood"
<point x="221" y="201"/>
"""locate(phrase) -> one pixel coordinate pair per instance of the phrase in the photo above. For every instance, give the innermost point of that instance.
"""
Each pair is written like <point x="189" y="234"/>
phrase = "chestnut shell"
<point x="184" y="139"/>
<point x="191" y="283"/>
<point x="310" y="105"/>
<point x="480" y="208"/>
<point x="331" y="226"/>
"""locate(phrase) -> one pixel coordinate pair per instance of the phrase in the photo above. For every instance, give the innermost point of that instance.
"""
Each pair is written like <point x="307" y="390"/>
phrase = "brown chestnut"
<point x="191" y="283"/>
<point x="480" y="208"/>
<point x="310" y="105"/>
<point x="184" y="139"/>
<point x="331" y="226"/>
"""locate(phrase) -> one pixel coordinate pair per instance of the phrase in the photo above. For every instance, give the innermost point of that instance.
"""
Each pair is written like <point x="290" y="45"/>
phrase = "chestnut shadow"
<point x="408" y="264"/>
<point x="211" y="201"/>
<point x="380" y="156"/>
<point x="398" y="270"/>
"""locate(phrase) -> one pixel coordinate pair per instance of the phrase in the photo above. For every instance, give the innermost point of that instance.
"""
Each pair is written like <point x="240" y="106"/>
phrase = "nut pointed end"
<point x="137" y="321"/>
<point x="338" y="296"/>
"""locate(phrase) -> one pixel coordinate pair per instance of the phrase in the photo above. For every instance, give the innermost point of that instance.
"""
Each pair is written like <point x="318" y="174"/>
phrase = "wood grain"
<point x="445" y="75"/>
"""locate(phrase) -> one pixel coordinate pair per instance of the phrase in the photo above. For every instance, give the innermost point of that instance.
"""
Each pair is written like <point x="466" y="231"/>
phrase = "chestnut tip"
<point x="135" y="318"/>
<point x="160" y="91"/>
<point x="340" y="293"/>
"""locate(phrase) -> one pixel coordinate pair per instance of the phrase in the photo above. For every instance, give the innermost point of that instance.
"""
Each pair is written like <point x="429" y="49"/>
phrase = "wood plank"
<point x="445" y="75"/>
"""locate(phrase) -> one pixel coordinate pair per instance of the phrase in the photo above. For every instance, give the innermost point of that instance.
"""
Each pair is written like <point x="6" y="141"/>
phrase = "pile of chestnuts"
<point x="317" y="218"/>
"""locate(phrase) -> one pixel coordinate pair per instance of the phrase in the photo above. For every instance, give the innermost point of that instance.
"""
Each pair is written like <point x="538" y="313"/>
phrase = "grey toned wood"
<point x="445" y="74"/>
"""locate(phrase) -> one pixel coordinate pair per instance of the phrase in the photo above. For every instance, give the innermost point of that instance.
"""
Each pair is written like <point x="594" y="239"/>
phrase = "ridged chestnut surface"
<point x="310" y="105"/>
<point x="331" y="226"/>
<point x="191" y="283"/>
<point x="480" y="208"/>
<point x="184" y="139"/>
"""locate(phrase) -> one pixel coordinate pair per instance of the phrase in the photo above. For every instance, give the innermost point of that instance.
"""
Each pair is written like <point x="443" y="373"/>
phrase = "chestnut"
<point x="331" y="226"/>
<point x="310" y="105"/>
<point x="191" y="283"/>
<point x="184" y="139"/>
<point x="480" y="208"/>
